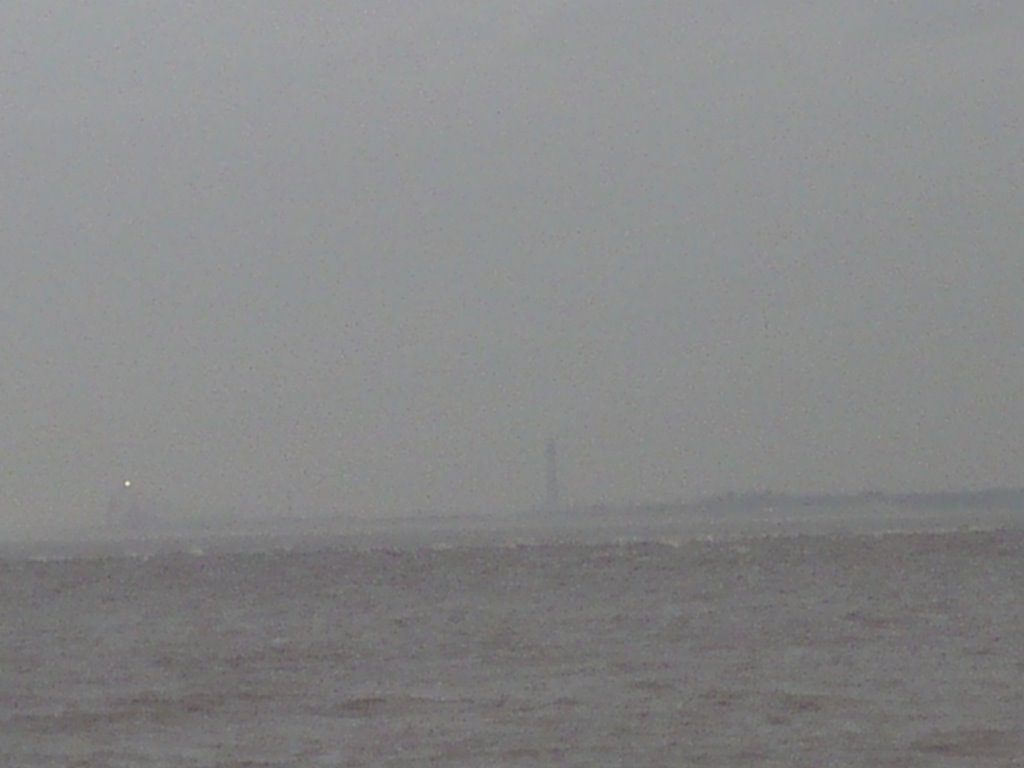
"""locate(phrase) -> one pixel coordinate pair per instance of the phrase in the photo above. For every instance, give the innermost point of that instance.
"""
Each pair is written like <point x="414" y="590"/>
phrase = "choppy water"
<point x="898" y="650"/>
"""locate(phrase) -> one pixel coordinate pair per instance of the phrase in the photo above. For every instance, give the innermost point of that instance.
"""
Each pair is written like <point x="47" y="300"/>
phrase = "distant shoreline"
<point x="727" y="514"/>
<point x="746" y="502"/>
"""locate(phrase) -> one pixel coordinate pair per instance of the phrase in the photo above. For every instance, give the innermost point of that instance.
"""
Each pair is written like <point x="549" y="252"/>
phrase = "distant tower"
<point x="551" y="472"/>
<point x="123" y="509"/>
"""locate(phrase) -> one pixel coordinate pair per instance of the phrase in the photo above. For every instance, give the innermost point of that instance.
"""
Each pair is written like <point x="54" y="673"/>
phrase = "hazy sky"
<point x="373" y="255"/>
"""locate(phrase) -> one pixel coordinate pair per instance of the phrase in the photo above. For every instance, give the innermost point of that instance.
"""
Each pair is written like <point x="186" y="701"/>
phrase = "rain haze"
<point x="367" y="259"/>
<point x="532" y="383"/>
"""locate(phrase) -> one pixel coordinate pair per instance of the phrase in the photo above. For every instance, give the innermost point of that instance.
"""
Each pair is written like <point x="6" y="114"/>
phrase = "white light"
<point x="127" y="483"/>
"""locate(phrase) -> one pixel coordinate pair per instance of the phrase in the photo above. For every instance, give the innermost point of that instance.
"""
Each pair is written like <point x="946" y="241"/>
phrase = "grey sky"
<point x="374" y="255"/>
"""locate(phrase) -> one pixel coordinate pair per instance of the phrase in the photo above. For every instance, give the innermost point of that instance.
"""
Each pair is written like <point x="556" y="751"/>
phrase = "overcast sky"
<point x="371" y="256"/>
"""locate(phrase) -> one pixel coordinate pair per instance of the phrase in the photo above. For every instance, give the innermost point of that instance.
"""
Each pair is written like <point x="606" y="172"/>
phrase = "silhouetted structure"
<point x="123" y="510"/>
<point x="551" y="470"/>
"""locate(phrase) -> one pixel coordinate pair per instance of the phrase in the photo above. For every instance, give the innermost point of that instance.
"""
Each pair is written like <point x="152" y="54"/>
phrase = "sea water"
<point x="895" y="649"/>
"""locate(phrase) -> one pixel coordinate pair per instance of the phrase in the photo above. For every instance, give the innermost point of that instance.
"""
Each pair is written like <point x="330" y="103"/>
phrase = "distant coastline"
<point x="725" y="514"/>
<point x="747" y="503"/>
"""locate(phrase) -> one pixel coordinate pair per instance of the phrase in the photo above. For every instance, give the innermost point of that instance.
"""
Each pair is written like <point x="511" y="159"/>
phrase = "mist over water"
<point x="523" y="384"/>
<point x="365" y="261"/>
